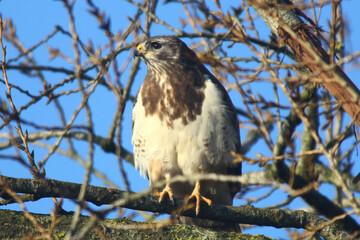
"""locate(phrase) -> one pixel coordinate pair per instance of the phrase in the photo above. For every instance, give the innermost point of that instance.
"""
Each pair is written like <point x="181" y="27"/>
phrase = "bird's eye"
<point x="156" y="45"/>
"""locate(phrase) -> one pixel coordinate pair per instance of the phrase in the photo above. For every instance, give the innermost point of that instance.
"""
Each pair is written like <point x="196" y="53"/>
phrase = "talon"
<point x="198" y="198"/>
<point x="166" y="192"/>
<point x="157" y="193"/>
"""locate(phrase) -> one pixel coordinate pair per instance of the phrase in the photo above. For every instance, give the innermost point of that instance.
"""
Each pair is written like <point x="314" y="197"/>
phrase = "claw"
<point x="198" y="197"/>
<point x="166" y="192"/>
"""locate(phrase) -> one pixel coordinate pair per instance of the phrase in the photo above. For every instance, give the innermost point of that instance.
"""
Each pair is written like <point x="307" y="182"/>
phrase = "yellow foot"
<point x="198" y="197"/>
<point x="166" y="192"/>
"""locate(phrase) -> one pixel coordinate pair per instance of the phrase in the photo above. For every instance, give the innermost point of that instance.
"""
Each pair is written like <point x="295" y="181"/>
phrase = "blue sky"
<point x="36" y="19"/>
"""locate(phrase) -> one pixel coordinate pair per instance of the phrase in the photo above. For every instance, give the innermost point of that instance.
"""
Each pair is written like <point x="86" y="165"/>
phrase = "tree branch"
<point x="42" y="188"/>
<point x="284" y="21"/>
<point x="106" y="144"/>
<point x="18" y="227"/>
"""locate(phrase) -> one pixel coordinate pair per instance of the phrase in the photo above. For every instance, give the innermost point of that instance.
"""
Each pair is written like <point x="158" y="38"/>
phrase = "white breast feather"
<point x="201" y="146"/>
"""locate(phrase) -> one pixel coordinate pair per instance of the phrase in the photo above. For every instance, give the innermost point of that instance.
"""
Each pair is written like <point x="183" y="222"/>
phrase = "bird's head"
<point x="164" y="51"/>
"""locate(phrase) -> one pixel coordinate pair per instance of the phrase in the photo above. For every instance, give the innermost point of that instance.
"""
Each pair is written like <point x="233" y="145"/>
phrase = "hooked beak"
<point x="139" y="51"/>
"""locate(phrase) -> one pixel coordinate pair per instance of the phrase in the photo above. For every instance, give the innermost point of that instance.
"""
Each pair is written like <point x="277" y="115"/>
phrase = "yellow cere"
<point x="140" y="48"/>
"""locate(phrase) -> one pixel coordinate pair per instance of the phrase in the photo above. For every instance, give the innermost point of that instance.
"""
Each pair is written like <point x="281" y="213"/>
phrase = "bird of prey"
<point x="184" y="123"/>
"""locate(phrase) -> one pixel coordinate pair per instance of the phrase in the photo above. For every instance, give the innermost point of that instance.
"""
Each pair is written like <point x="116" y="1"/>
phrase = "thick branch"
<point x="300" y="38"/>
<point x="19" y="227"/>
<point x="284" y="22"/>
<point x="280" y="170"/>
<point x="246" y="215"/>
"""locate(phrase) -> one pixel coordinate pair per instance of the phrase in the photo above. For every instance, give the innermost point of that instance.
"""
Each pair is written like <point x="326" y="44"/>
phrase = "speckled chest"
<point x="198" y="143"/>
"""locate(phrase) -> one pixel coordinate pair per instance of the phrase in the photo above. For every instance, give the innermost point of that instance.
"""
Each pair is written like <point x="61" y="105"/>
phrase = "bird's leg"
<point x="196" y="194"/>
<point x="167" y="190"/>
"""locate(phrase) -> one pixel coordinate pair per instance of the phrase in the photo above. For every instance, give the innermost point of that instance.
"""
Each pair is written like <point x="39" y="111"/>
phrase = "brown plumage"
<point x="184" y="123"/>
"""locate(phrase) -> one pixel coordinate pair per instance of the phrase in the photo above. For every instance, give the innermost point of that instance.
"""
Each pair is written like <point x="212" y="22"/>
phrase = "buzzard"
<point x="184" y="123"/>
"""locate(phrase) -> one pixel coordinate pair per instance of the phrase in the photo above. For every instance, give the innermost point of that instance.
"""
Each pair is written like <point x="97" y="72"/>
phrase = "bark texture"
<point x="41" y="188"/>
<point x="14" y="225"/>
<point x="284" y="20"/>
